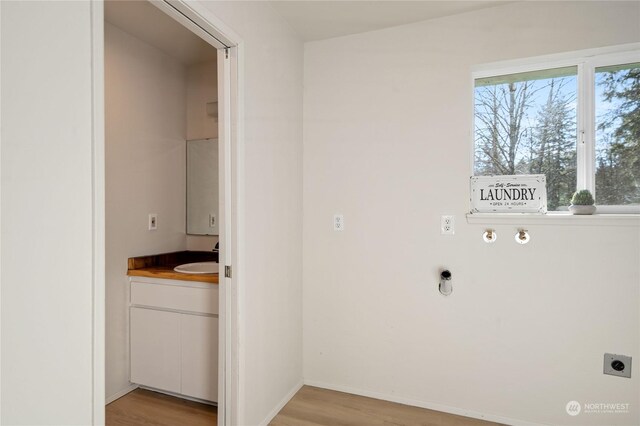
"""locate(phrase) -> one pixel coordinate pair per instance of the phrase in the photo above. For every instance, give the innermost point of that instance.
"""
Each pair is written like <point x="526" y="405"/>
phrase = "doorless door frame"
<point x="201" y="21"/>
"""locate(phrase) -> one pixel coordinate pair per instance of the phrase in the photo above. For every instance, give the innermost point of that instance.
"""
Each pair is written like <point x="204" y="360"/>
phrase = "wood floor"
<point x="145" y="408"/>
<point x="320" y="407"/>
<point x="309" y="407"/>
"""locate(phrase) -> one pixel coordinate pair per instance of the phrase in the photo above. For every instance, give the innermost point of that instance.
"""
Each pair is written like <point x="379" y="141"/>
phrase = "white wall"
<point x="271" y="309"/>
<point x="387" y="126"/>
<point x="145" y="123"/>
<point x="46" y="230"/>
<point x="202" y="89"/>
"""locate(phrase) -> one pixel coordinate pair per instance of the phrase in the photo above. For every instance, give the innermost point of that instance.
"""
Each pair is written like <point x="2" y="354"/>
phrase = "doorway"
<point x="198" y="22"/>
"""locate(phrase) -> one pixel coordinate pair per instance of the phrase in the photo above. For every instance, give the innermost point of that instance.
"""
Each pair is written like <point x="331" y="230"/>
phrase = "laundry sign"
<point x="509" y="194"/>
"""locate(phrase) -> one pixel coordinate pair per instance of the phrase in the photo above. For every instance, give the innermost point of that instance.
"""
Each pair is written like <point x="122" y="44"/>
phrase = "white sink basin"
<point x="198" y="268"/>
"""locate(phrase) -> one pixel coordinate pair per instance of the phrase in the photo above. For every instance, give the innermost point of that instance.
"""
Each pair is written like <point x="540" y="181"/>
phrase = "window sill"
<point x="553" y="218"/>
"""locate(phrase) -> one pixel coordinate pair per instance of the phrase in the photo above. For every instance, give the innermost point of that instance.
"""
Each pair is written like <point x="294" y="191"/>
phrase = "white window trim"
<point x="586" y="61"/>
<point x="554" y="218"/>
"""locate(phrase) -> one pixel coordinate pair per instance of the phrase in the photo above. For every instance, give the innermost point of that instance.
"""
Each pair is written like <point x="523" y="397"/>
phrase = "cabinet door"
<point x="155" y="349"/>
<point x="199" y="356"/>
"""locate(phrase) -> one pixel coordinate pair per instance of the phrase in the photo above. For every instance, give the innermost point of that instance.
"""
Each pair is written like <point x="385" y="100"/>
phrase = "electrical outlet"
<point x="617" y="365"/>
<point x="212" y="220"/>
<point x="447" y="225"/>
<point x="338" y="222"/>
<point x="153" y="221"/>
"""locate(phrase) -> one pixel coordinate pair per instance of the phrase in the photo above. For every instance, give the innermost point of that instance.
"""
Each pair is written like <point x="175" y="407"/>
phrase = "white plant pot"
<point x="582" y="209"/>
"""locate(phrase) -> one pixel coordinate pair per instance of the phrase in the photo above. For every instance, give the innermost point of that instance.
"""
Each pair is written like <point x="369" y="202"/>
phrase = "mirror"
<point x="202" y="187"/>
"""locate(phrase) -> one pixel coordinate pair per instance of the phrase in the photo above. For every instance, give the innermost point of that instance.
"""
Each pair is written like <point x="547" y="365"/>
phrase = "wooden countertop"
<point x="161" y="266"/>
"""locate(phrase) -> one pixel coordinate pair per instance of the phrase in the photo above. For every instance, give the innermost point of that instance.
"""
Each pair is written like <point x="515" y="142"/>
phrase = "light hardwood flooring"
<point x="320" y="407"/>
<point x="145" y="408"/>
<point x="309" y="407"/>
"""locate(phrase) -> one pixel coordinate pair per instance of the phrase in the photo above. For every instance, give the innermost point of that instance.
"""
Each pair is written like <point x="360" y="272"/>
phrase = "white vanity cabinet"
<point x="199" y="356"/>
<point x="174" y="336"/>
<point x="155" y="349"/>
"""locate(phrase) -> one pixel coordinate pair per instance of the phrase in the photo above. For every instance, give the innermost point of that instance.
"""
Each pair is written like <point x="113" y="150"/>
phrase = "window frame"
<point x="586" y="62"/>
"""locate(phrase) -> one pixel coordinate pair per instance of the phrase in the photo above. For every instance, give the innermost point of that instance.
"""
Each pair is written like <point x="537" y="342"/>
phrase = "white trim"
<point x="98" y="183"/>
<point x="557" y="60"/>
<point x="224" y="169"/>
<point x="1" y="208"/>
<point x="282" y="403"/>
<point x="422" y="404"/>
<point x="584" y="128"/>
<point x="120" y="394"/>
<point x="226" y="331"/>
<point x="238" y="231"/>
<point x="204" y="17"/>
<point x="622" y="57"/>
<point x="472" y="133"/>
<point x="632" y="220"/>
<point x="624" y="209"/>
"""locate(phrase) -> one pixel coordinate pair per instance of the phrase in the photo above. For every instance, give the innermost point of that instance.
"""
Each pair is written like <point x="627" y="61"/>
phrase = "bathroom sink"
<point x="198" y="268"/>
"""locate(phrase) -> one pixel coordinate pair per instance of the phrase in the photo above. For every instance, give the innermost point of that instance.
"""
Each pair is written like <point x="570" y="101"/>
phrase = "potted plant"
<point x="582" y="203"/>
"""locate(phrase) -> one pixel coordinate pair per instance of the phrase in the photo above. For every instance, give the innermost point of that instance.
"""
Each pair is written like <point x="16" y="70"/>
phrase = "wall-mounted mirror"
<point x="202" y="187"/>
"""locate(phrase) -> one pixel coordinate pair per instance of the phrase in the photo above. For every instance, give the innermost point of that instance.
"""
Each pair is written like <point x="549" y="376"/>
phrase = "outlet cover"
<point x="153" y="221"/>
<point x="617" y="365"/>
<point x="447" y="225"/>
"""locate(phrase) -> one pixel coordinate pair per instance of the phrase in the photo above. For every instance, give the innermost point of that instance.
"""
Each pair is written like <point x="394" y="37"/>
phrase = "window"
<point x="575" y="120"/>
<point x="617" y="112"/>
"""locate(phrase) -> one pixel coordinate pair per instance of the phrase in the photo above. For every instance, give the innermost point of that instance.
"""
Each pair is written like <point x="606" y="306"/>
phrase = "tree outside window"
<point x="618" y="134"/>
<point x="527" y="123"/>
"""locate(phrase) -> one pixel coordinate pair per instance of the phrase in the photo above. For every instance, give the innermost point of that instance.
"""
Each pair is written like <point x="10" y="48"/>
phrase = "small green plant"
<point x="582" y="198"/>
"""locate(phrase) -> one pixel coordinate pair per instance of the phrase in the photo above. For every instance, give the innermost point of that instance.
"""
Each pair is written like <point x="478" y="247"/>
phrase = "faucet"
<point x="216" y="252"/>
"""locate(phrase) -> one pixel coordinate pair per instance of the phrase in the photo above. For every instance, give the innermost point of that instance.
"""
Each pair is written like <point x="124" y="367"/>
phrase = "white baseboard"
<point x="121" y="393"/>
<point x="282" y="403"/>
<point x="423" y="404"/>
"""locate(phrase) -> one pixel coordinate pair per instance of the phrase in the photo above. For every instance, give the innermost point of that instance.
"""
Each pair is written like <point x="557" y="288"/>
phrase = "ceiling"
<point x="318" y="20"/>
<point x="143" y="20"/>
<point x="312" y="20"/>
